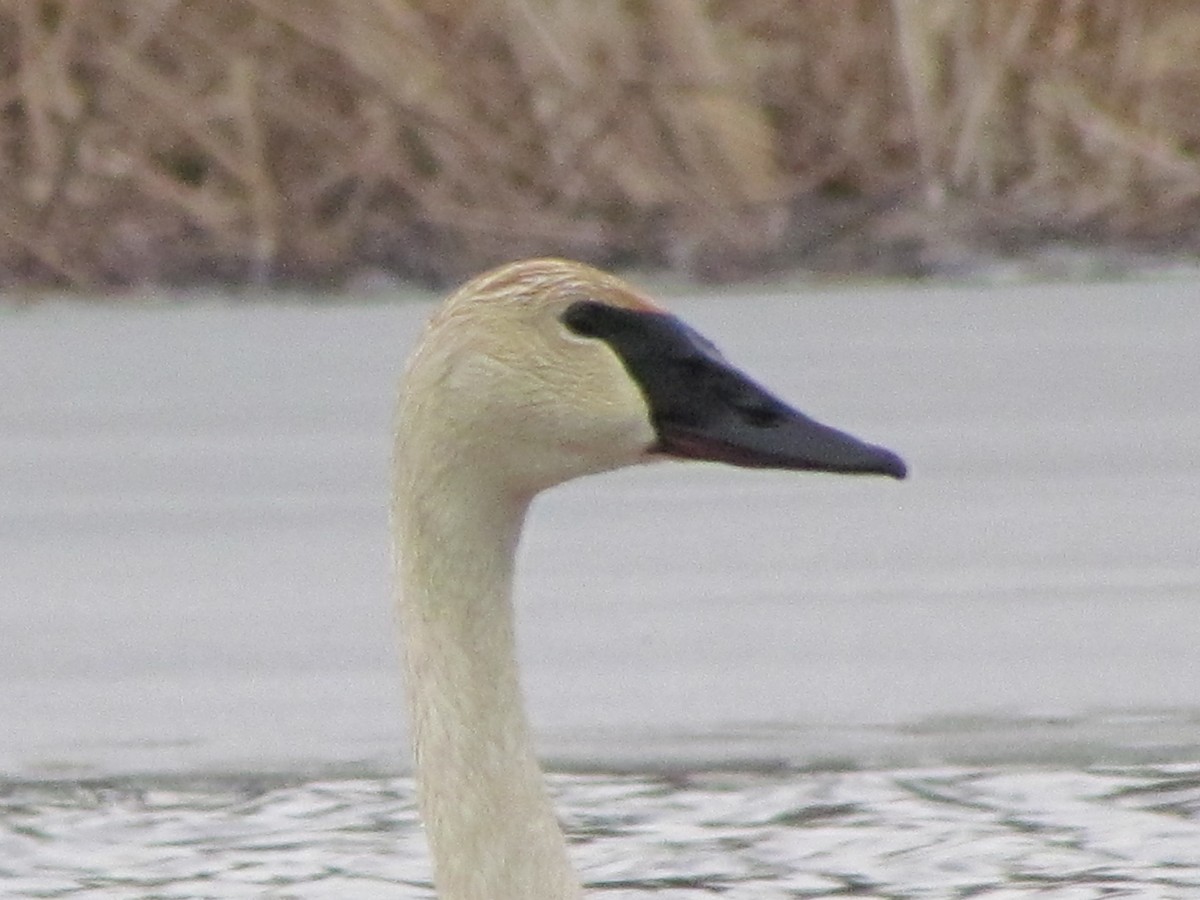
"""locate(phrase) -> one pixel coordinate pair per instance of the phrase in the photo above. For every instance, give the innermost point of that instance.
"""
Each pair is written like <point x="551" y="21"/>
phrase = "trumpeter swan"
<point x="528" y="376"/>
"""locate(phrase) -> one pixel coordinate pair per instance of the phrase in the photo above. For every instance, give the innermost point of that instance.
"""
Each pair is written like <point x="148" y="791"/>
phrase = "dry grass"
<point x="1075" y="110"/>
<point x="257" y="140"/>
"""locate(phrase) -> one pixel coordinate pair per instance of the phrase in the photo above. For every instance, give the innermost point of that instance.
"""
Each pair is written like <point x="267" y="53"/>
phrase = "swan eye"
<point x="584" y="318"/>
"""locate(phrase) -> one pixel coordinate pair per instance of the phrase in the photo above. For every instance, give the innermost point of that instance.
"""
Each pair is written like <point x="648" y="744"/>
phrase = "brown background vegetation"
<point x="175" y="141"/>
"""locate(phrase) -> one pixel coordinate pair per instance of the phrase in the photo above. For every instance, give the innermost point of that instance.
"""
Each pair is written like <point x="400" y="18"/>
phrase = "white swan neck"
<point x="491" y="829"/>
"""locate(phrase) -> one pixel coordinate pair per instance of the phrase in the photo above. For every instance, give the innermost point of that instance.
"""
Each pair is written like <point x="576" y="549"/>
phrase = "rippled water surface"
<point x="909" y="833"/>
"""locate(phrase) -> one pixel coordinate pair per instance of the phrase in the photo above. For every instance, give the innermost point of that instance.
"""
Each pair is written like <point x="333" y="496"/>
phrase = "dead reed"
<point x="172" y="141"/>
<point x="1077" y="110"/>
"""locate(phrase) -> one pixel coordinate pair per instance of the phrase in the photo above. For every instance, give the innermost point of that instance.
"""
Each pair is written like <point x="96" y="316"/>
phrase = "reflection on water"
<point x="995" y="833"/>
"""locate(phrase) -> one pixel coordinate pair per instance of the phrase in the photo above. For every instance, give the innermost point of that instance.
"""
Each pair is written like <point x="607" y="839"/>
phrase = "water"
<point x="980" y="682"/>
<point x="926" y="833"/>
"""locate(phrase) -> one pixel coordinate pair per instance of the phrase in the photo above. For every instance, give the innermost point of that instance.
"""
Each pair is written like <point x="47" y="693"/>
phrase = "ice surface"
<point x="193" y="543"/>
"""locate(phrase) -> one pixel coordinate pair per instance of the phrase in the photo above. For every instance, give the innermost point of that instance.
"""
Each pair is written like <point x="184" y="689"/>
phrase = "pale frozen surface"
<point x="194" y="591"/>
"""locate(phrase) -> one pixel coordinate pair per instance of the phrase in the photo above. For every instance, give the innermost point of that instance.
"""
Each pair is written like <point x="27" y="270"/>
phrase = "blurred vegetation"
<point x="175" y="141"/>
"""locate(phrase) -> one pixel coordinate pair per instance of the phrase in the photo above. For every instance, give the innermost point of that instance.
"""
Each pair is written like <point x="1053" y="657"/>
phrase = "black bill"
<point x="704" y="408"/>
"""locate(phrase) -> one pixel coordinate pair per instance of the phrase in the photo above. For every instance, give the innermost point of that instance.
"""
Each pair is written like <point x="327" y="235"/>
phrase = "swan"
<point x="528" y="376"/>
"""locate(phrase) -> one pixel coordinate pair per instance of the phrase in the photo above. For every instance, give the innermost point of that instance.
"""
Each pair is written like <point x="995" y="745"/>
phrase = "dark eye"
<point x="584" y="317"/>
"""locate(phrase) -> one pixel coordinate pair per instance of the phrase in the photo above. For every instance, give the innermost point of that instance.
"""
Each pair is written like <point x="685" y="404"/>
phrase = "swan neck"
<point x="490" y="825"/>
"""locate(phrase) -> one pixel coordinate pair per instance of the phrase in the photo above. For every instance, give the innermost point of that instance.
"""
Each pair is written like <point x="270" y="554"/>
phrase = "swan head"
<point x="546" y="370"/>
